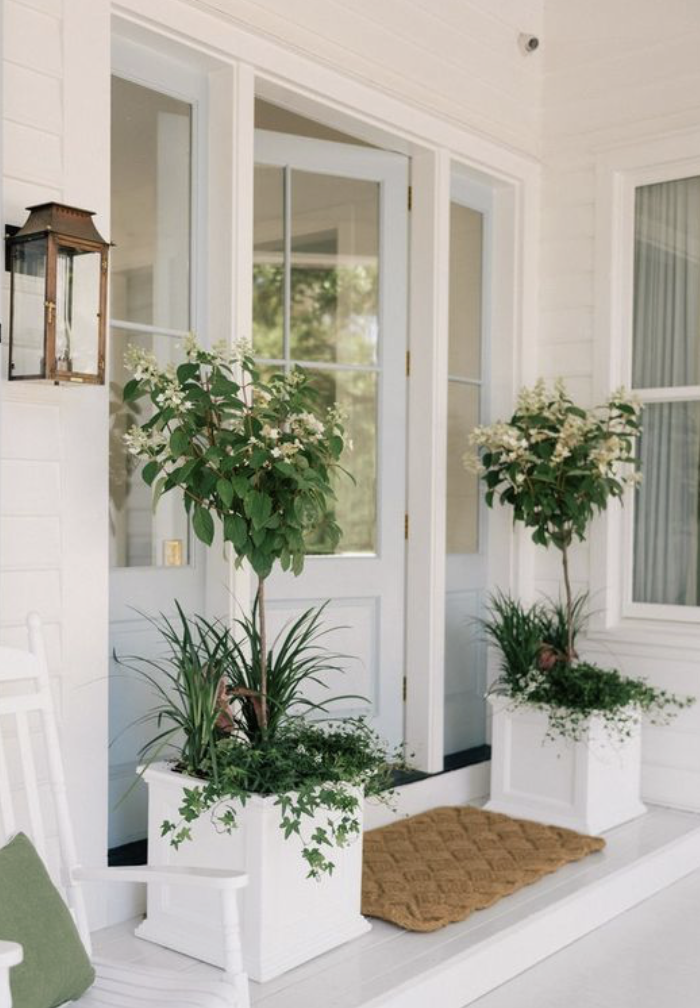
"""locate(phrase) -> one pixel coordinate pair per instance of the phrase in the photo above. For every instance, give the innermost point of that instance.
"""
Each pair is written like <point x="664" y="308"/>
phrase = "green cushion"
<point x="55" y="968"/>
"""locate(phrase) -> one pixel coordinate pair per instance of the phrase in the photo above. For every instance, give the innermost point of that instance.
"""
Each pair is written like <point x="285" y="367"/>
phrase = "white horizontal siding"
<point x="32" y="37"/>
<point x="32" y="155"/>
<point x="32" y="98"/>
<point x="53" y="486"/>
<point x="458" y="59"/>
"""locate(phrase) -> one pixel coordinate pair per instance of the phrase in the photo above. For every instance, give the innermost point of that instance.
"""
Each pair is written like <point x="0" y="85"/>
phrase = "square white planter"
<point x="286" y="918"/>
<point x="588" y="786"/>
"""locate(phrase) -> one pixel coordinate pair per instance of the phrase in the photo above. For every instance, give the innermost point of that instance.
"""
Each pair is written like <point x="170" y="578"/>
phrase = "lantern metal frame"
<point x="70" y="228"/>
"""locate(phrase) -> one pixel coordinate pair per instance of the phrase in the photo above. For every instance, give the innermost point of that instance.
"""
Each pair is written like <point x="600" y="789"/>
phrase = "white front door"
<point x="329" y="293"/>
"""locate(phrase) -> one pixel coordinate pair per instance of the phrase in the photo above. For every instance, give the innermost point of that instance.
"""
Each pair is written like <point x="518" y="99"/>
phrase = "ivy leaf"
<point x="203" y="525"/>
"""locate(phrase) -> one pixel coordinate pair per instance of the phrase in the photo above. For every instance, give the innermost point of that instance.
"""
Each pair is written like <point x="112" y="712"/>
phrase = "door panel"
<point x="330" y="252"/>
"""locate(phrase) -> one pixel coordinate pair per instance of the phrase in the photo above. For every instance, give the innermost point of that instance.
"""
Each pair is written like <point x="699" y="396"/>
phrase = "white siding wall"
<point x="53" y="461"/>
<point x="615" y="73"/>
<point x="455" y="58"/>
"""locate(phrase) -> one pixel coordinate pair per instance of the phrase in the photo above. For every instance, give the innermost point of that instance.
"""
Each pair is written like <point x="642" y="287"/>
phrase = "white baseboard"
<point x="456" y="787"/>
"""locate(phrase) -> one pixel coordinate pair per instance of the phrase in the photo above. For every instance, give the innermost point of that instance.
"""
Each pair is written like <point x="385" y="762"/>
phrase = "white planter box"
<point x="286" y="918"/>
<point x="589" y="786"/>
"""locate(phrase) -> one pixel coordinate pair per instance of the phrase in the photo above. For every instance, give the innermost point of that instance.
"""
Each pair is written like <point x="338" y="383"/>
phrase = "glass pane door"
<point x="329" y="294"/>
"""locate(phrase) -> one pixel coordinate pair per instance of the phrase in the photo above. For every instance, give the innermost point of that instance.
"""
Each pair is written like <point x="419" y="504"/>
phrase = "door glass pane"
<point x="466" y="227"/>
<point x="355" y="506"/>
<point x="151" y="184"/>
<point x="667" y="505"/>
<point x="268" y="262"/>
<point x="334" y="269"/>
<point x="138" y="536"/>
<point x="465" y="654"/>
<point x="667" y="285"/>
<point x="462" y="486"/>
<point x="326" y="294"/>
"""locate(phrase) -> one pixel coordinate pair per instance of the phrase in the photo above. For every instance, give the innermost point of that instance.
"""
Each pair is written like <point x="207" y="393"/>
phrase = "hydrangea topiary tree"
<point x="254" y="455"/>
<point x="557" y="465"/>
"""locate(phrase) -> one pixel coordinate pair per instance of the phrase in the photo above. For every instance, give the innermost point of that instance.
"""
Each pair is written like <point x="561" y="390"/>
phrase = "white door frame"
<point x="272" y="71"/>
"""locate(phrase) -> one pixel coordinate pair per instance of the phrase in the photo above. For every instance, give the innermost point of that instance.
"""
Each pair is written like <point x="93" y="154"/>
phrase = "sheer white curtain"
<point x="667" y="355"/>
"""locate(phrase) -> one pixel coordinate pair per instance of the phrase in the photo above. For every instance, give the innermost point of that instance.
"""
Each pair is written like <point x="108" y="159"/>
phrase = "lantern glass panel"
<point x="28" y="296"/>
<point x="77" y="310"/>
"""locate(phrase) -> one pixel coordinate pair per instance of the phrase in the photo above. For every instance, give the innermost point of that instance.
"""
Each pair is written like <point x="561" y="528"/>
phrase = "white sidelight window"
<point x="665" y="374"/>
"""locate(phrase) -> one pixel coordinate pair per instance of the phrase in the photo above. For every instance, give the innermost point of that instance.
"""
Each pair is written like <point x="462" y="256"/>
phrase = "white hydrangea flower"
<point x="142" y="364"/>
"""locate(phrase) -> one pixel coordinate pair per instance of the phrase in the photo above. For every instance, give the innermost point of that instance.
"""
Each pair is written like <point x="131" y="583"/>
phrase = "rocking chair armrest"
<point x="208" y="878"/>
<point x="11" y="954"/>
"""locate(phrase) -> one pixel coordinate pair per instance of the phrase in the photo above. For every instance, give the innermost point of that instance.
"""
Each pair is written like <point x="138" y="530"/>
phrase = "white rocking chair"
<point x="25" y="694"/>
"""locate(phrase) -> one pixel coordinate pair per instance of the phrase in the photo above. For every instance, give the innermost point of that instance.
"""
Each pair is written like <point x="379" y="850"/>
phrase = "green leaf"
<point x="179" y="442"/>
<point x="132" y="390"/>
<point x="203" y="525"/>
<point x="258" y="507"/>
<point x="235" y="530"/>
<point x="158" y="489"/>
<point x="225" y="492"/>
<point x="241" y="485"/>
<point x="150" y="471"/>
<point x="187" y="371"/>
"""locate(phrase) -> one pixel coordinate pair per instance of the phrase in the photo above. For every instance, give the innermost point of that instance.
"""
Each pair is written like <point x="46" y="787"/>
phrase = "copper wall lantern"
<point x="58" y="296"/>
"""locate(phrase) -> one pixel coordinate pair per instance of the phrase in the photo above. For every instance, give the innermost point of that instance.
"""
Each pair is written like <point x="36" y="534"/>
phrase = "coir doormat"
<point x="438" y="867"/>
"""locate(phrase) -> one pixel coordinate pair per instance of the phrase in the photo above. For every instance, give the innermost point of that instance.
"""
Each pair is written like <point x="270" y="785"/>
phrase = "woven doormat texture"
<point x="439" y="867"/>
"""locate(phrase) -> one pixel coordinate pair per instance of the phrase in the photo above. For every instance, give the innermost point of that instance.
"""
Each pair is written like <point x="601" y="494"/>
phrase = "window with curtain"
<point x="666" y="376"/>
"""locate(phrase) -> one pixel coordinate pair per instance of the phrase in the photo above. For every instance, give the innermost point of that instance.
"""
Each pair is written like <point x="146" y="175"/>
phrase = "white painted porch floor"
<point x="391" y="968"/>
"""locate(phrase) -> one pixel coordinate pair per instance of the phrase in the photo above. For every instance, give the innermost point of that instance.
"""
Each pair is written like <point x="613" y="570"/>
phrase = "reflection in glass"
<point x="28" y="294"/>
<point x="77" y="308"/>
<point x="268" y="262"/>
<point x="466" y="243"/>
<point x="151" y="182"/>
<point x="327" y="296"/>
<point x="462" y="486"/>
<point x="355" y="508"/>
<point x="334" y="269"/>
<point x="667" y="506"/>
<point x="667" y="285"/>
<point x="139" y="537"/>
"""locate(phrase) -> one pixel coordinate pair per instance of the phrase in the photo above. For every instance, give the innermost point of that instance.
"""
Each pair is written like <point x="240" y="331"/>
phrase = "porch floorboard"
<point x="392" y="968"/>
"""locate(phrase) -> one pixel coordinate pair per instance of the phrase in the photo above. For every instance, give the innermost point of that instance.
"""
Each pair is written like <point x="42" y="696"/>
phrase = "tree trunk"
<point x="569" y="604"/>
<point x="263" y="653"/>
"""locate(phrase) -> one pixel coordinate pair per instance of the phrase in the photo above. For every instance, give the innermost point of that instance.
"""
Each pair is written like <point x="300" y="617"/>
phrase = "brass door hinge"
<point x="409" y="200"/>
<point x="405" y="526"/>
<point x="408" y="363"/>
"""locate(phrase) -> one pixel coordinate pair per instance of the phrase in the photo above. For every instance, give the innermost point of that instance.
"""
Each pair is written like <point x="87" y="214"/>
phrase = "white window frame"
<point x="619" y="174"/>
